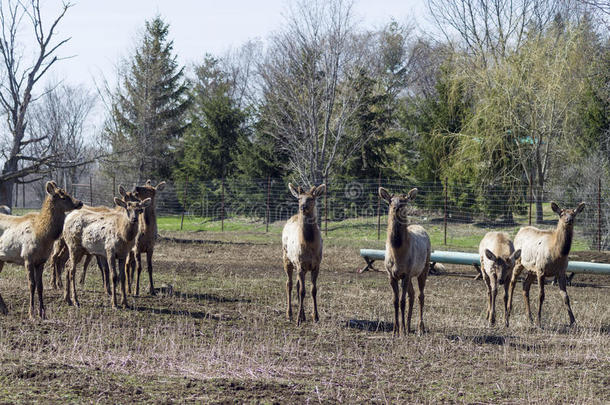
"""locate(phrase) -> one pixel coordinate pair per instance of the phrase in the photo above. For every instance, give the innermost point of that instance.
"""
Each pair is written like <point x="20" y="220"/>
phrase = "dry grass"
<point x="221" y="336"/>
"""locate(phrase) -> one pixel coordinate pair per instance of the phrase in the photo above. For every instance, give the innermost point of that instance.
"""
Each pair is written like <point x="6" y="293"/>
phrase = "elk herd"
<point x="65" y="231"/>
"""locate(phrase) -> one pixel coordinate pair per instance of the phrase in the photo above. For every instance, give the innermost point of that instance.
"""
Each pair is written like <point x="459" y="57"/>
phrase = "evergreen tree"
<point x="149" y="106"/>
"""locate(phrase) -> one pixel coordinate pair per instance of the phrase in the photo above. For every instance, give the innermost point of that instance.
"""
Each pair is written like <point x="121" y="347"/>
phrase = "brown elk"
<point x="407" y="255"/>
<point x="302" y="248"/>
<point x="28" y="240"/>
<point x="110" y="234"/>
<point x="147" y="235"/>
<point x="498" y="257"/>
<point x="544" y="253"/>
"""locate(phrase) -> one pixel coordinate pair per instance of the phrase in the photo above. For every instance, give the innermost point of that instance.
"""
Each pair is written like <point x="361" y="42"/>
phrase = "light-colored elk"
<point x="5" y="209"/>
<point x="60" y="254"/>
<point x="407" y="255"/>
<point x="302" y="249"/>
<point x="28" y="240"/>
<point x="544" y="253"/>
<point x="110" y="234"/>
<point x="498" y="257"/>
<point x="147" y="235"/>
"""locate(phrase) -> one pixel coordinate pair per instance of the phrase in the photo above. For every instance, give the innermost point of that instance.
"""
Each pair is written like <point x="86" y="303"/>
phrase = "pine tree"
<point x="149" y="106"/>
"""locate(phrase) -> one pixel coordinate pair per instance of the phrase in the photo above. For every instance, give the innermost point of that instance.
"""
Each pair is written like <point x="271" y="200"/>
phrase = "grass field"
<point x="220" y="336"/>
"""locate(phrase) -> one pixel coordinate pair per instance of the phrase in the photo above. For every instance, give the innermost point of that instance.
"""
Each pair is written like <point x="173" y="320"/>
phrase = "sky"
<point x="104" y="31"/>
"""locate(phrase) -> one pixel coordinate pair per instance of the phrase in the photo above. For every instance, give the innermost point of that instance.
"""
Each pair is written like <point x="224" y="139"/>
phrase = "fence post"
<point x="16" y="194"/>
<point x="445" y="216"/>
<point x="268" y="196"/>
<point x="113" y="184"/>
<point x="531" y="198"/>
<point x="599" y="214"/>
<point x="379" y="208"/>
<point x="326" y="208"/>
<point x="23" y="195"/>
<point x="91" y="190"/>
<point x="186" y="182"/>
<point x="222" y="207"/>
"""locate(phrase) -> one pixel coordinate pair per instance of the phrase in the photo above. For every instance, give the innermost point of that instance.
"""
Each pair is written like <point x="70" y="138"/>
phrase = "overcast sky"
<point x="104" y="31"/>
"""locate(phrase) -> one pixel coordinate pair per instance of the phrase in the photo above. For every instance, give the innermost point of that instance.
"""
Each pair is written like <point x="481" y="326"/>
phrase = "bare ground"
<point x="219" y="335"/>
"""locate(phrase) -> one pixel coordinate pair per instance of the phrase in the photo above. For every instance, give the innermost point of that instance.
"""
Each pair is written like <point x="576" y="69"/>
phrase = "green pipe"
<point x="470" y="259"/>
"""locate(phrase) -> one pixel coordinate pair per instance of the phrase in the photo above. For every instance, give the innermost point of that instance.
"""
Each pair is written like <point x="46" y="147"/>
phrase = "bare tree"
<point x="61" y="118"/>
<point x="17" y="86"/>
<point x="308" y="96"/>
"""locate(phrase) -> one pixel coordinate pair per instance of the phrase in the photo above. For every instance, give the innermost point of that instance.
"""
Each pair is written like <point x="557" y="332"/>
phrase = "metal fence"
<point x="267" y="201"/>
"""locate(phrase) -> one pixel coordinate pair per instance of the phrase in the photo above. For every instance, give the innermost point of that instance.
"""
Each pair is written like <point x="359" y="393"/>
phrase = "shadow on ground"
<point x="370" y="326"/>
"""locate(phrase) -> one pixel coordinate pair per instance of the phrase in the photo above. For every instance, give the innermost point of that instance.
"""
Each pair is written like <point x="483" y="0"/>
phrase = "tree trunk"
<point x="6" y="187"/>
<point x="539" y="197"/>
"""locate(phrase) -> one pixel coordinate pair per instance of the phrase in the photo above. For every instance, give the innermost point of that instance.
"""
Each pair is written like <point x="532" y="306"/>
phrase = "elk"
<point x="28" y="240"/>
<point x="498" y="257"/>
<point x="302" y="249"/>
<point x="407" y="255"/>
<point x="147" y="235"/>
<point x="109" y="234"/>
<point x="60" y="254"/>
<point x="544" y="253"/>
<point x="5" y="209"/>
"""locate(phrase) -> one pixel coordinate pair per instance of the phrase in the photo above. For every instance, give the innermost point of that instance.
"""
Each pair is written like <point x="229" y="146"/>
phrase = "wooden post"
<point x="531" y="198"/>
<point x="326" y="208"/>
<point x="184" y="201"/>
<point x="222" y="209"/>
<point x="379" y="208"/>
<point x="268" y="196"/>
<point x="445" y="217"/>
<point x="599" y="214"/>
<point x="91" y="190"/>
<point x="16" y="194"/>
<point x="113" y="185"/>
<point x="23" y="195"/>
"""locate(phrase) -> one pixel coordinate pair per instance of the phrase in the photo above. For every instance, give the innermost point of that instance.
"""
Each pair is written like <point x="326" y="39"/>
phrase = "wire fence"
<point x="268" y="202"/>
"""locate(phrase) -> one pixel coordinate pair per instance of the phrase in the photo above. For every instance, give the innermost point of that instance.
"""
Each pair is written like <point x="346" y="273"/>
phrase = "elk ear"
<point x="148" y="182"/>
<point x="383" y="193"/>
<point x="580" y="207"/>
<point x="516" y="255"/>
<point x="145" y="203"/>
<point x="490" y="255"/>
<point x="293" y="190"/>
<point x="319" y="190"/>
<point x="412" y="193"/>
<point x="120" y="202"/>
<point x="51" y="187"/>
<point x="555" y="208"/>
<point x="122" y="190"/>
<point x="160" y="186"/>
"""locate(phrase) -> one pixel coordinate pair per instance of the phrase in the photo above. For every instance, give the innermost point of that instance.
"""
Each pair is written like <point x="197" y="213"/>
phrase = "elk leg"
<point x="407" y="287"/>
<point x="527" y="283"/>
<point x="493" y="295"/>
<point x="511" y="290"/>
<point x="421" y="281"/>
<point x="301" y="317"/>
<point x="85" y="265"/>
<point x="3" y="308"/>
<point x="102" y="264"/>
<point x="394" y="284"/>
<point x="32" y="279"/>
<point x="314" y="293"/>
<point x="130" y="269"/>
<point x="564" y="294"/>
<point x="488" y="287"/>
<point x="138" y="264"/>
<point x="39" y="288"/>
<point x="288" y="268"/>
<point x="506" y="285"/>
<point x="112" y="264"/>
<point x="541" y="297"/>
<point x="149" y="254"/>
<point x="75" y="258"/>
<point x="122" y="276"/>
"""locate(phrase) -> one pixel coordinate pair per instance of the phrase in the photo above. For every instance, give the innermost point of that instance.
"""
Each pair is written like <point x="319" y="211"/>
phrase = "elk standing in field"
<point x="407" y="255"/>
<point x="302" y="249"/>
<point x="60" y="254"/>
<point x="498" y="258"/>
<point x="544" y="253"/>
<point x="28" y="240"/>
<point x="147" y="235"/>
<point x="110" y="234"/>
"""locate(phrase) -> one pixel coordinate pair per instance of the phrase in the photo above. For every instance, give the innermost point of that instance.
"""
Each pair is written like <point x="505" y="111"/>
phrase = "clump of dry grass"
<point x="222" y="335"/>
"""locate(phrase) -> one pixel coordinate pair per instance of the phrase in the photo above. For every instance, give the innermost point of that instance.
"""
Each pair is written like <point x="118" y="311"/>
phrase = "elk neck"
<point x="397" y="230"/>
<point x="50" y="221"/>
<point x="309" y="225"/>
<point x="563" y="238"/>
